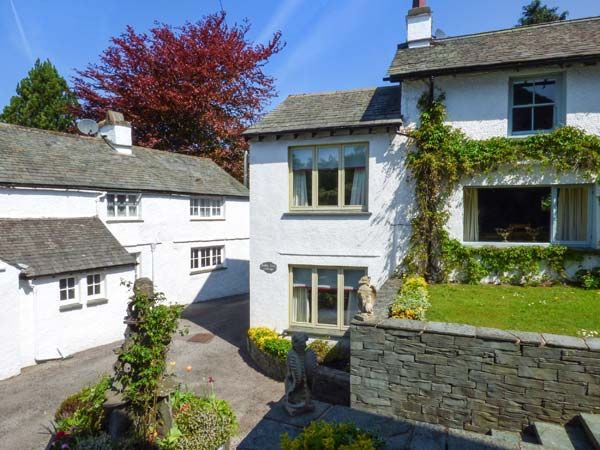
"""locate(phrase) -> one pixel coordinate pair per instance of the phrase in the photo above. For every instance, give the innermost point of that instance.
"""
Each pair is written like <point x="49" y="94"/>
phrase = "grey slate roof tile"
<point x="341" y="109"/>
<point x="54" y="246"/>
<point x="531" y="45"/>
<point x="34" y="157"/>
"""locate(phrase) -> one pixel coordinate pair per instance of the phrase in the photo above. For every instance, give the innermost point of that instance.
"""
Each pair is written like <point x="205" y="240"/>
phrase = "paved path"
<point x="28" y="401"/>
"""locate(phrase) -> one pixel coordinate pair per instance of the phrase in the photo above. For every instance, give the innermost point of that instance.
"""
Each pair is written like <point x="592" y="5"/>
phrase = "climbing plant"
<point x="442" y="155"/>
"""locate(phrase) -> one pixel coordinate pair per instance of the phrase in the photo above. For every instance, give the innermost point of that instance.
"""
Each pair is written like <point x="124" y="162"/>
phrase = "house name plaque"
<point x="268" y="267"/>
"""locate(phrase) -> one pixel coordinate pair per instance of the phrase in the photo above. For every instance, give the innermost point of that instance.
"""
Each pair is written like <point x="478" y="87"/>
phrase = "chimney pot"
<point x="419" y="3"/>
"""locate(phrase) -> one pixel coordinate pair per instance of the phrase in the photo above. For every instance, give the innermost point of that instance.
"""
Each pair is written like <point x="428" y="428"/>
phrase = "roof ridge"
<point x="24" y="219"/>
<point x="518" y="28"/>
<point x="340" y="91"/>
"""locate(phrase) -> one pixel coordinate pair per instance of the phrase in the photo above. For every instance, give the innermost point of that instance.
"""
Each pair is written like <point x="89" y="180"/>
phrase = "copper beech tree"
<point x="190" y="89"/>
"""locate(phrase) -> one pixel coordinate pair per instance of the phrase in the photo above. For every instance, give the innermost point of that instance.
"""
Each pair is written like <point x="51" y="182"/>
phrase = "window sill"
<point x="124" y="220"/>
<point x="97" y="302"/>
<point x="207" y="219"/>
<point x="317" y="331"/>
<point x="70" y="307"/>
<point x="505" y="244"/>
<point x="326" y="212"/>
<point x="208" y="269"/>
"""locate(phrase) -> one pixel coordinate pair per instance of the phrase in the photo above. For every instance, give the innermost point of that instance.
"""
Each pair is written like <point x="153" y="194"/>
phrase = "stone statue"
<point x="367" y="295"/>
<point x="301" y="366"/>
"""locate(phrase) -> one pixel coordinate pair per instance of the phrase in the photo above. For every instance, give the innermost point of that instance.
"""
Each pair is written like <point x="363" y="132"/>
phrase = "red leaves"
<point x="190" y="89"/>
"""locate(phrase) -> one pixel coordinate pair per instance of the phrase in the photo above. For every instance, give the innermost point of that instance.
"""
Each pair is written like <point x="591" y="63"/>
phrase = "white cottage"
<point x="331" y="198"/>
<point x="79" y="215"/>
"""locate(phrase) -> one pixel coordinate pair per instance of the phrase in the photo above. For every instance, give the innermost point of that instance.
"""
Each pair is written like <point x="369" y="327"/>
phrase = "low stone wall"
<point x="473" y="378"/>
<point x="267" y="364"/>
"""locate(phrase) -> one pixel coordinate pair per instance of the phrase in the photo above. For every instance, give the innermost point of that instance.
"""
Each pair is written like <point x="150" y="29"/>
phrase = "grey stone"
<point x="452" y="329"/>
<point x="495" y="334"/>
<point x="262" y="436"/>
<point x="403" y="324"/>
<point x="591" y="424"/>
<point x="593" y="344"/>
<point x="465" y="440"/>
<point x="428" y="437"/>
<point x="527" y="337"/>
<point x="538" y="374"/>
<point x="565" y="388"/>
<point x="555" y="340"/>
<point x="279" y="414"/>
<point x="552" y="436"/>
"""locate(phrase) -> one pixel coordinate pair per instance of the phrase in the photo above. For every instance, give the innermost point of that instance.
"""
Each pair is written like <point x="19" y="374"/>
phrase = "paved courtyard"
<point x="28" y="401"/>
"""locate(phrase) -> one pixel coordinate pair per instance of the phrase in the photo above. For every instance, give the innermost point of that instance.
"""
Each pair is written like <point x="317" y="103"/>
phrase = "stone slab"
<point x="495" y="334"/>
<point x="278" y="414"/>
<point x="465" y="440"/>
<point x="553" y="436"/>
<point x="591" y="424"/>
<point x="382" y="426"/>
<point x="452" y="329"/>
<point x="593" y="344"/>
<point x="266" y="436"/>
<point x="428" y="437"/>
<point x="556" y="340"/>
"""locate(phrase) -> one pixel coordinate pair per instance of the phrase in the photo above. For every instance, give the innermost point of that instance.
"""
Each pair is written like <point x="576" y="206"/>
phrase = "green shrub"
<point x="277" y="347"/>
<point x="99" y="442"/>
<point x="588" y="279"/>
<point x="332" y="436"/>
<point x="327" y="352"/>
<point x="202" y="423"/>
<point x="412" y="301"/>
<point x="259" y="335"/>
<point x="82" y="414"/>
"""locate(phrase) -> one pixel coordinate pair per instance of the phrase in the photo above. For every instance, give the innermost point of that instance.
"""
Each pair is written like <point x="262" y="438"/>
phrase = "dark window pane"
<point x="327" y="297"/>
<point x="545" y="91"/>
<point x="302" y="163"/>
<point x="328" y="163"/>
<point x="351" y="278"/>
<point x="543" y="117"/>
<point x="521" y="119"/>
<point x="355" y="175"/>
<point x="522" y="93"/>
<point x="302" y="295"/>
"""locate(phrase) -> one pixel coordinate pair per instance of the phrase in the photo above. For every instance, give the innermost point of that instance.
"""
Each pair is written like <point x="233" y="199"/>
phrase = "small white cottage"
<point x="330" y="194"/>
<point x="80" y="215"/>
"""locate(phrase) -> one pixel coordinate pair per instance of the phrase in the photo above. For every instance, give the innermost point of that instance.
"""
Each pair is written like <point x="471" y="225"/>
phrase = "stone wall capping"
<point x="593" y="344"/>
<point x="452" y="329"/>
<point x="495" y="334"/>
<point x="403" y="324"/>
<point x="527" y="337"/>
<point x="555" y="340"/>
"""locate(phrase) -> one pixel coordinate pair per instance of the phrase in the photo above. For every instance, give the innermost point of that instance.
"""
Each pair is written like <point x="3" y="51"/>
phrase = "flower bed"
<point x="332" y="436"/>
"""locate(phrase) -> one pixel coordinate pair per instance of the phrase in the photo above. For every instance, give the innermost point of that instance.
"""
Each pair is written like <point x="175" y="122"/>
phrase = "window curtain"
<point x="357" y="195"/>
<point x="301" y="305"/>
<point x="352" y="307"/>
<point x="300" y="188"/>
<point x="471" y="215"/>
<point x="572" y="214"/>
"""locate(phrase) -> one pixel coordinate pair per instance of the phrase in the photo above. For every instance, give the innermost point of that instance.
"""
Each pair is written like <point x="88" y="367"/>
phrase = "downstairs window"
<point x="528" y="214"/>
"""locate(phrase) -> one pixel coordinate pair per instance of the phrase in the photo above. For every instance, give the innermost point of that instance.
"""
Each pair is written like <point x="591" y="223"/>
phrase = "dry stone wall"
<point x="472" y="378"/>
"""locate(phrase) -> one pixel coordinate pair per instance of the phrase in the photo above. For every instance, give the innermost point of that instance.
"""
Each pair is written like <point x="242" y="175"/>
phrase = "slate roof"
<point x="332" y="110"/>
<point x="564" y="41"/>
<point x="35" y="157"/>
<point x="55" y="246"/>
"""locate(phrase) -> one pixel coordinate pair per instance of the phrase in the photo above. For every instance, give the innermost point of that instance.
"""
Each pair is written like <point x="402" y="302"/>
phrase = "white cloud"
<point x="24" y="40"/>
<point x="278" y="20"/>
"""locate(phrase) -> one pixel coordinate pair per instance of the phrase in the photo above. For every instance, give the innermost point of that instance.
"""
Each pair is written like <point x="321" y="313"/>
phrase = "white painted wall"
<point x="375" y="241"/>
<point x="9" y="321"/>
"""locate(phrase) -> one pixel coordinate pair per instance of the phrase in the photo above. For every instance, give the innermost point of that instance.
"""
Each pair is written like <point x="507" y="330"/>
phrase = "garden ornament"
<point x="301" y="366"/>
<point x="367" y="295"/>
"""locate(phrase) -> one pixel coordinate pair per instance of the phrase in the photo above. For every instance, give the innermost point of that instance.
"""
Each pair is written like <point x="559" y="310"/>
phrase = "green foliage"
<point x="43" y="100"/>
<point x="146" y="357"/>
<point x="535" y="12"/>
<point x="82" y="414"/>
<point x="443" y="155"/>
<point x="202" y="423"/>
<point x="589" y="279"/>
<point x="412" y="302"/>
<point x="320" y="435"/>
<point x="278" y="348"/>
<point x="101" y="441"/>
<point x="259" y="335"/>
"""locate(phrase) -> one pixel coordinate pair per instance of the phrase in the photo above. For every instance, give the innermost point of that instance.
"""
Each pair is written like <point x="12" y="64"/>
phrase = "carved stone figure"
<point x="301" y="366"/>
<point x="367" y="295"/>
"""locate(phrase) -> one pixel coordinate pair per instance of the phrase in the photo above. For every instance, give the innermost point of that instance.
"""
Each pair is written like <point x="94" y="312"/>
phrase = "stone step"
<point x="507" y="437"/>
<point x="553" y="436"/>
<point x="591" y="425"/>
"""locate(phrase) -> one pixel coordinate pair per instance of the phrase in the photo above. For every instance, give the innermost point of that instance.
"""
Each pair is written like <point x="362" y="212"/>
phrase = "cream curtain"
<point x="300" y="190"/>
<point x="301" y="305"/>
<point x="471" y="215"/>
<point x="357" y="195"/>
<point x="352" y="307"/>
<point x="572" y="214"/>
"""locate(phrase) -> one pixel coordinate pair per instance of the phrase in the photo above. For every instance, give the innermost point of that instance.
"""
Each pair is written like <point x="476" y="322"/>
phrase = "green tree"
<point x="536" y="12"/>
<point x="43" y="100"/>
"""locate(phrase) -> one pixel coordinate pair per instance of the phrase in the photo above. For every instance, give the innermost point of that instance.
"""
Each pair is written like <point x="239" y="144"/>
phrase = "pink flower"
<point x="211" y="380"/>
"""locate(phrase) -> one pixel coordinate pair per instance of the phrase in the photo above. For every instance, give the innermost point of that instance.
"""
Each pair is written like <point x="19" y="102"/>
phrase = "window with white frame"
<point x="67" y="289"/>
<point x="324" y="296"/>
<point x="535" y="104"/>
<point x="560" y="214"/>
<point x="123" y="205"/>
<point x="207" y="207"/>
<point x="207" y="258"/>
<point x="94" y="285"/>
<point x="329" y="176"/>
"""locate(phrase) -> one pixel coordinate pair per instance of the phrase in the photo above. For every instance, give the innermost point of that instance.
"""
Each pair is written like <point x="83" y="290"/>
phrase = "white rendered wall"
<point x="376" y="241"/>
<point x="62" y="333"/>
<point x="37" y="203"/>
<point x="10" y="364"/>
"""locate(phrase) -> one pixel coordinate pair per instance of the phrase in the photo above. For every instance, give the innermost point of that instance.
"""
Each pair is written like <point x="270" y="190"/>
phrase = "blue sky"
<point x="331" y="44"/>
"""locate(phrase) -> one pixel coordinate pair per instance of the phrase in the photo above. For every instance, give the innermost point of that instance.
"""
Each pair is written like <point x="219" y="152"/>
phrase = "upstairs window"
<point x="329" y="177"/>
<point x="207" y="208"/>
<point x="535" y="105"/>
<point x="67" y="289"/>
<point x="94" y="285"/>
<point x="123" y="205"/>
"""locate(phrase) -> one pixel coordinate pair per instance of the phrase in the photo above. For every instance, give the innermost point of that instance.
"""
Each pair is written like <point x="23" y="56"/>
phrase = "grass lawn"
<point x="557" y="309"/>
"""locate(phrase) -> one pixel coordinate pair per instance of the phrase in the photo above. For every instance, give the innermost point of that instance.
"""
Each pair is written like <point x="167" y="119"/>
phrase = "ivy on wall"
<point x="443" y="155"/>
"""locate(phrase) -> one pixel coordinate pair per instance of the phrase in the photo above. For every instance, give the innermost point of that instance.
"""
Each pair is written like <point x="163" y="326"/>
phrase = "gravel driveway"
<point x="28" y="401"/>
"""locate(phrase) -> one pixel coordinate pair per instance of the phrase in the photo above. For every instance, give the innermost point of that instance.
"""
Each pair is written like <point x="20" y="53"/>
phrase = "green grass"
<point x="557" y="309"/>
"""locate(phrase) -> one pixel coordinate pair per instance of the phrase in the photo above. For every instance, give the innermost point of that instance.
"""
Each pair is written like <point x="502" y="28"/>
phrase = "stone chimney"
<point x="419" y="24"/>
<point x="117" y="132"/>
